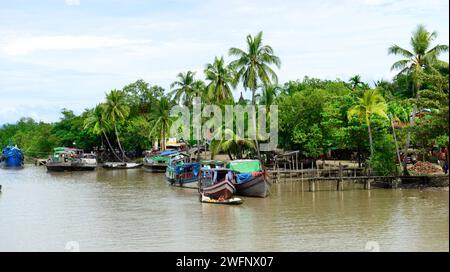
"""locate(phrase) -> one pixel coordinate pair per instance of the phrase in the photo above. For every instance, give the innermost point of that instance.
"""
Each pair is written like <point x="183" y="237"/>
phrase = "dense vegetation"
<point x="315" y="116"/>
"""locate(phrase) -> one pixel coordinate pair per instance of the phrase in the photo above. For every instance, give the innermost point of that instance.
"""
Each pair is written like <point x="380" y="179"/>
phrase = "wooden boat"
<point x="12" y="157"/>
<point x="158" y="162"/>
<point x="251" y="179"/>
<point x="217" y="186"/>
<point x="121" y="165"/>
<point x="71" y="159"/>
<point x="180" y="170"/>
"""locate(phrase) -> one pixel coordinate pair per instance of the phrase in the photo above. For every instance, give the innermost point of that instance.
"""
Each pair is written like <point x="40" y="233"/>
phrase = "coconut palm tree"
<point x="252" y="67"/>
<point x="371" y="103"/>
<point x="268" y="95"/>
<point x="161" y="121"/>
<point x="355" y="82"/>
<point x="183" y="88"/>
<point x="230" y="144"/>
<point x="422" y="56"/>
<point x="116" y="111"/>
<point x="221" y="79"/>
<point x="99" y="125"/>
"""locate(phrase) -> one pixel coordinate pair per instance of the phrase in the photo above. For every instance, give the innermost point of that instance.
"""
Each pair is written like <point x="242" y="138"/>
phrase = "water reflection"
<point x="131" y="210"/>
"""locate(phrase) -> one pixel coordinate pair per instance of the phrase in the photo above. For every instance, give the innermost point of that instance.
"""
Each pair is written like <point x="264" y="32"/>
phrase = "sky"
<point x="58" y="54"/>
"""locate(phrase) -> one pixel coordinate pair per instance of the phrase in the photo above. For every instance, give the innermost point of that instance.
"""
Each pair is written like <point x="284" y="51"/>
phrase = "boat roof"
<point x="168" y="152"/>
<point x="245" y="166"/>
<point x="218" y="169"/>
<point x="212" y="162"/>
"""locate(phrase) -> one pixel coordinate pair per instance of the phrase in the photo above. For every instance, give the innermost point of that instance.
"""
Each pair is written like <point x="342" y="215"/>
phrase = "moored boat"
<point x="180" y="170"/>
<point x="71" y="159"/>
<point x="251" y="179"/>
<point x="158" y="162"/>
<point x="217" y="186"/>
<point x="11" y="156"/>
<point x="121" y="165"/>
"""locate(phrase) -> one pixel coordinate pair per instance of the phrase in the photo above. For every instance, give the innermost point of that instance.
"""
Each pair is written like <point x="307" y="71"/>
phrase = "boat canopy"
<point x="12" y="150"/>
<point x="245" y="166"/>
<point x="168" y="152"/>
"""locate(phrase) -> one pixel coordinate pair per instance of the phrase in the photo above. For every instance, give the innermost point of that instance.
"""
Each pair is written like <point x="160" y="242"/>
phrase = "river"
<point x="132" y="210"/>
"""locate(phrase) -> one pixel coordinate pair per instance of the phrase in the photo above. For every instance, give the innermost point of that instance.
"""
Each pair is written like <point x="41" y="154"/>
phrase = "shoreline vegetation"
<point x="377" y="124"/>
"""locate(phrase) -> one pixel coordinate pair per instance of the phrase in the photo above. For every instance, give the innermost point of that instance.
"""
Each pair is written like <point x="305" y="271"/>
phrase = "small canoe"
<point x="121" y="165"/>
<point x="230" y="201"/>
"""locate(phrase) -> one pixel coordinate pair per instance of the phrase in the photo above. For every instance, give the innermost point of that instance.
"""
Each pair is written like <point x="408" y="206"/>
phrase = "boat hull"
<point x="221" y="190"/>
<point x="257" y="186"/>
<point x="61" y="167"/>
<point x="181" y="181"/>
<point x="120" y="166"/>
<point x="159" y="168"/>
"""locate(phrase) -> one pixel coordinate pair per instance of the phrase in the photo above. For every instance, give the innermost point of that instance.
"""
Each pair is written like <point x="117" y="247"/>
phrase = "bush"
<point x="384" y="158"/>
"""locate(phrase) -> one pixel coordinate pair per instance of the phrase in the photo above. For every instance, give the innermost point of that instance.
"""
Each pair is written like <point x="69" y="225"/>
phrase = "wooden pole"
<point x="302" y="174"/>
<point x="312" y="185"/>
<point x="340" y="183"/>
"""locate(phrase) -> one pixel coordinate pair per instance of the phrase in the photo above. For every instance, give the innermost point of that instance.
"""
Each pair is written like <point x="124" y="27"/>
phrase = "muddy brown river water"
<point x="132" y="210"/>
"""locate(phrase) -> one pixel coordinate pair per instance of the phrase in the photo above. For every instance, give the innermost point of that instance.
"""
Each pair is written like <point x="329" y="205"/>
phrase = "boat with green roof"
<point x="71" y="159"/>
<point x="251" y="178"/>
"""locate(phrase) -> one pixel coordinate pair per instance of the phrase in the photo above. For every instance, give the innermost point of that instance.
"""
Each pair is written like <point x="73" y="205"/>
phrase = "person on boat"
<point x="229" y="176"/>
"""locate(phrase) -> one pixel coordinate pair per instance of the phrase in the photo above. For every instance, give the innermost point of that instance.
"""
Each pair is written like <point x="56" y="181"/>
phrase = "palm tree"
<point x="99" y="125"/>
<point x="371" y="103"/>
<point x="221" y="79"/>
<point x="183" y="87"/>
<point x="232" y="145"/>
<point x="421" y="57"/>
<point x="355" y="81"/>
<point x="116" y="110"/>
<point x="161" y="121"/>
<point x="268" y="95"/>
<point x="253" y="67"/>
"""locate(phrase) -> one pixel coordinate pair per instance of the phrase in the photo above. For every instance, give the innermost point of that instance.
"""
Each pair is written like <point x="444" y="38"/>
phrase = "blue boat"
<point x="180" y="170"/>
<point x="12" y="156"/>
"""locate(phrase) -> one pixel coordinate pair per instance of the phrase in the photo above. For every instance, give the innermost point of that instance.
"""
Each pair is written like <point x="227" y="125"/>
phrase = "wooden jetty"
<point x="40" y="162"/>
<point x="287" y="167"/>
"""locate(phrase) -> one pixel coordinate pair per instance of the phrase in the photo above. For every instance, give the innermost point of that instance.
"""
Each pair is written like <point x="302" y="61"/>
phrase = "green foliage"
<point x="315" y="115"/>
<point x="384" y="157"/>
<point x="35" y="139"/>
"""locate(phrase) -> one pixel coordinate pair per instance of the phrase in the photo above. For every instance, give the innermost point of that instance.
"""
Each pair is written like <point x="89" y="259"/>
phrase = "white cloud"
<point x="79" y="56"/>
<point x="72" y="2"/>
<point x="27" y="45"/>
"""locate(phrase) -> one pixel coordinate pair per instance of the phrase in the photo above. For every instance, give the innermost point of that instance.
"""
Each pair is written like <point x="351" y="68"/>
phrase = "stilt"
<point x="312" y="185"/>
<point x="340" y="182"/>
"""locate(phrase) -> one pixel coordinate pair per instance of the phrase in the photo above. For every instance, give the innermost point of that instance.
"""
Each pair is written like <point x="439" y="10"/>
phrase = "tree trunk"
<point x="408" y="139"/>
<point x="370" y="140"/>
<point x="229" y="155"/>
<point x="110" y="146"/>
<point x="118" y="142"/>
<point x="396" y="148"/>
<point x="163" y="138"/>
<point x="254" y="125"/>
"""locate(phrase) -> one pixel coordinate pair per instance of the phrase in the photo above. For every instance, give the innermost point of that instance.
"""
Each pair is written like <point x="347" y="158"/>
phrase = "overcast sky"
<point x="68" y="53"/>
